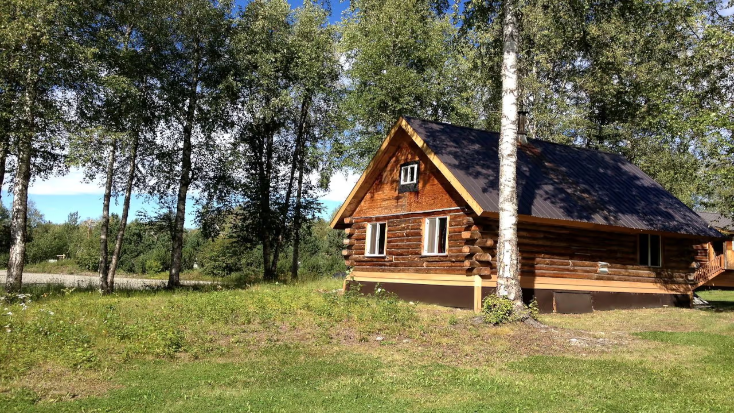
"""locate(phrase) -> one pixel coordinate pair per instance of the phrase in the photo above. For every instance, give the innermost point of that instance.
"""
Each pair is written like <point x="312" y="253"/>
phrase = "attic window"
<point x="649" y="249"/>
<point x="408" y="177"/>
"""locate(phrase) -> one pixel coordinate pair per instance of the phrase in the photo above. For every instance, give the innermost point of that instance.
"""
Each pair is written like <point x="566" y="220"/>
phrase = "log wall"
<point x="404" y="245"/>
<point x="555" y="251"/>
<point x="546" y="251"/>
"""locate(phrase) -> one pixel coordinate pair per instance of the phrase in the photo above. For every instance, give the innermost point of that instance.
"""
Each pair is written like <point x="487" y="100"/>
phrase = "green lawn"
<point x="306" y="348"/>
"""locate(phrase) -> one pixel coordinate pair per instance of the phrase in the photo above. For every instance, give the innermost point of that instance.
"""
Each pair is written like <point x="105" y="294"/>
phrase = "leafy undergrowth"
<point x="306" y="347"/>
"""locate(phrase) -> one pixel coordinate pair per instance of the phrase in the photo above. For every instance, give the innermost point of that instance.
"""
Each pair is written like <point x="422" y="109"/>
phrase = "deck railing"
<point x="709" y="270"/>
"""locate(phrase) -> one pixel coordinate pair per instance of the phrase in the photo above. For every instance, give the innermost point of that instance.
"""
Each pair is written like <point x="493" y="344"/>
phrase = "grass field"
<point x="307" y="348"/>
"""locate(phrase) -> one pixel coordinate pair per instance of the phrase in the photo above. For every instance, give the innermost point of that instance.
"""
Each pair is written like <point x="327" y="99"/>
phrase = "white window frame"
<point x="425" y="237"/>
<point x="405" y="172"/>
<point x="367" y="243"/>
<point x="649" y="250"/>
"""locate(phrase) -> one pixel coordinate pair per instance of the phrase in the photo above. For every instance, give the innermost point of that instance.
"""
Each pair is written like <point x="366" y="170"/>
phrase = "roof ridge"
<point x="408" y="118"/>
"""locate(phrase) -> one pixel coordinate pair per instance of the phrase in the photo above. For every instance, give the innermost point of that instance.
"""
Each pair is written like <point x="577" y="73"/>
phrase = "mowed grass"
<point x="305" y="347"/>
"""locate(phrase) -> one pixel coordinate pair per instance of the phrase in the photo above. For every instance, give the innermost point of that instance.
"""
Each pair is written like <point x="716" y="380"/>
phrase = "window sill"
<point x="435" y="255"/>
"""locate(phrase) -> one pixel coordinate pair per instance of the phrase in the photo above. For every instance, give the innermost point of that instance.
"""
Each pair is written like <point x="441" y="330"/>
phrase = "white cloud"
<point x="69" y="184"/>
<point x="340" y="186"/>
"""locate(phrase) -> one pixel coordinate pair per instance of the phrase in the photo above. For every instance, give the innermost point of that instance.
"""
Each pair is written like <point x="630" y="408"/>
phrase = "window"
<point x="375" y="246"/>
<point x="408" y="177"/>
<point x="435" y="236"/>
<point x="409" y="174"/>
<point x="649" y="249"/>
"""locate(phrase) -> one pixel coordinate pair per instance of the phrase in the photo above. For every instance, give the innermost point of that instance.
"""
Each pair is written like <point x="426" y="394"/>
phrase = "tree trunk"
<point x="271" y="266"/>
<point x="174" y="279"/>
<point x="105" y="224"/>
<point x="297" y="213"/>
<point x="3" y="161"/>
<point x="508" y="263"/>
<point x="298" y="147"/>
<point x="125" y="210"/>
<point x="18" y="223"/>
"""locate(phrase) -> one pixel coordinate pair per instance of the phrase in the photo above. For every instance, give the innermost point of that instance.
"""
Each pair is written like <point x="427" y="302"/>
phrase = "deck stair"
<point x="708" y="271"/>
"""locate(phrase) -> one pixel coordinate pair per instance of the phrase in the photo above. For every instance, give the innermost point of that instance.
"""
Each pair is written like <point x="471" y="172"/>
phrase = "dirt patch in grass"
<point x="55" y="383"/>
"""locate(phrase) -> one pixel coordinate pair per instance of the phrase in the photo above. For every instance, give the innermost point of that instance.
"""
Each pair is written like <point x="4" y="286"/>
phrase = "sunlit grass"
<point x="305" y="347"/>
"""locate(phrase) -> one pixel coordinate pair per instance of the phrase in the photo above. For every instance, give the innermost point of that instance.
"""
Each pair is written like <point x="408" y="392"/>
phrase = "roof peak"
<point x="530" y="140"/>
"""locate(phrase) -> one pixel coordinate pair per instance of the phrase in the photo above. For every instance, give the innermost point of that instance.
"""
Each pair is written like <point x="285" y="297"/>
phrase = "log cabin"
<point x="594" y="231"/>
<point x="723" y="247"/>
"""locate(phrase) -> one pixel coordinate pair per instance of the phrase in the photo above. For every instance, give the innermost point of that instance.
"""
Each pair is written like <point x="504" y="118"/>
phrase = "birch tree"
<point x="508" y="256"/>
<point x="117" y="112"/>
<point x="43" y="59"/>
<point x="190" y="52"/>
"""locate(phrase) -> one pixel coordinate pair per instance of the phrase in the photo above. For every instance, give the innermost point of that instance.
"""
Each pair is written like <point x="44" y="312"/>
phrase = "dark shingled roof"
<point x="561" y="182"/>
<point x="718" y="221"/>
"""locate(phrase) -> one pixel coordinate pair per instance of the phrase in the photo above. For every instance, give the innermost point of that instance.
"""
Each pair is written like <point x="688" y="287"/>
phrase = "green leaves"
<point x="401" y="58"/>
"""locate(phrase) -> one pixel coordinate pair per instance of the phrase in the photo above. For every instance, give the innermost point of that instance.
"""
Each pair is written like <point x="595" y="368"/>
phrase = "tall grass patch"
<point x="82" y="329"/>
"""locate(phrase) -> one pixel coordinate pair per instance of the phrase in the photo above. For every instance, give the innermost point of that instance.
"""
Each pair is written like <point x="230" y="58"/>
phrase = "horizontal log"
<point x="411" y="217"/>
<point x="474" y="263"/>
<point x="347" y="252"/>
<point x="461" y="221"/>
<point x="479" y="271"/>
<point x="471" y="249"/>
<point x="397" y="251"/>
<point x="348" y="241"/>
<point x="484" y="242"/>
<point x="350" y="231"/>
<point x="471" y="235"/>
<point x="482" y="257"/>
<point x="408" y="264"/>
<point x="414" y="270"/>
<point x="414" y="257"/>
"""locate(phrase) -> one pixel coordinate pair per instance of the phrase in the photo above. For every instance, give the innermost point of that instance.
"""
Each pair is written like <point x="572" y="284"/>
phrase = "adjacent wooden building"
<point x="723" y="248"/>
<point x="594" y="231"/>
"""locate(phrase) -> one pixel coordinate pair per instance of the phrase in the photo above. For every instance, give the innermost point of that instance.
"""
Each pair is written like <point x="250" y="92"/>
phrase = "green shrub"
<point x="153" y="266"/>
<point x="534" y="310"/>
<point x="497" y="310"/>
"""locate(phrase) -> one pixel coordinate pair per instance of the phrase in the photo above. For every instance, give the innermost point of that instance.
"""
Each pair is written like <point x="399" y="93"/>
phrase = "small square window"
<point x="376" y="235"/>
<point x="650" y="250"/>
<point x="409" y="174"/>
<point x="408" y="177"/>
<point x="435" y="236"/>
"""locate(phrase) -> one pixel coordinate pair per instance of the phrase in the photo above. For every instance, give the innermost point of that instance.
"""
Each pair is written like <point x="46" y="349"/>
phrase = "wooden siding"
<point x="383" y="197"/>
<point x="547" y="252"/>
<point x="563" y="252"/>
<point x="404" y="245"/>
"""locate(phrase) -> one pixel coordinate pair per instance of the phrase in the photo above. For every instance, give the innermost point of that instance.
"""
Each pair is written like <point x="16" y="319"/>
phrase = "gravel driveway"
<point x="92" y="280"/>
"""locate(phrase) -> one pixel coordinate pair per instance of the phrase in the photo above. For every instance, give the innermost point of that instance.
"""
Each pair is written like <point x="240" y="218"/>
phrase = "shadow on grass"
<point x="720" y="347"/>
<point x="720" y="300"/>
<point x="720" y="306"/>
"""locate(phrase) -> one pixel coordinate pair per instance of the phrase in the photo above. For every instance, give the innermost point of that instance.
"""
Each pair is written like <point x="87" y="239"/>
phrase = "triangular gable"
<point x="382" y="158"/>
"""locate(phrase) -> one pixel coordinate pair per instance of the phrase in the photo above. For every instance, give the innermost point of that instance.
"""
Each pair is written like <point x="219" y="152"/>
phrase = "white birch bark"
<point x="508" y="263"/>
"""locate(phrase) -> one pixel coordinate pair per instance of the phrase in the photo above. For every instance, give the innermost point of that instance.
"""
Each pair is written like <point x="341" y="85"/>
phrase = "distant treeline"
<point x="147" y="248"/>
